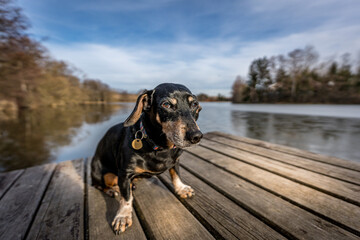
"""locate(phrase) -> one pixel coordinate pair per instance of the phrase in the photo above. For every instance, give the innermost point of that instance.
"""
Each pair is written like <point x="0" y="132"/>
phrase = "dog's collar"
<point x="144" y="135"/>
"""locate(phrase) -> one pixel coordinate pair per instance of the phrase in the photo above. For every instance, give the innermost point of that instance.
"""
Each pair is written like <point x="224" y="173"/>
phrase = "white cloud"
<point x="206" y="66"/>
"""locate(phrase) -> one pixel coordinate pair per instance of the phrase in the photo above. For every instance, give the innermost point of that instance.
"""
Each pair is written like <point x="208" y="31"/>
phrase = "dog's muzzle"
<point x="194" y="136"/>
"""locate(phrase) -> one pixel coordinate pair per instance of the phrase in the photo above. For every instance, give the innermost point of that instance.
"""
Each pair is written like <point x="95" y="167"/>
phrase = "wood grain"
<point x="297" y="152"/>
<point x="318" y="167"/>
<point x="340" y="189"/>
<point x="7" y="179"/>
<point x="163" y="215"/>
<point x="61" y="212"/>
<point x="101" y="211"/>
<point x="338" y="210"/>
<point x="228" y="219"/>
<point x="293" y="221"/>
<point x="18" y="206"/>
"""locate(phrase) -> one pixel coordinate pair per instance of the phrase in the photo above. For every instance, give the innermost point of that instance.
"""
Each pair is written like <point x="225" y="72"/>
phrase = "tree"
<point x="97" y="91"/>
<point x="259" y="78"/>
<point x="299" y="61"/>
<point x="259" y="73"/>
<point x="28" y="77"/>
<point x="296" y="77"/>
<point x="202" y="97"/>
<point x="19" y="55"/>
<point x="12" y="22"/>
<point x="240" y="90"/>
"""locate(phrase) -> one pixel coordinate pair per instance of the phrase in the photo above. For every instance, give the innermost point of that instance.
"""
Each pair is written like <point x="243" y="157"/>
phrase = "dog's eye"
<point x="166" y="105"/>
<point x="194" y="104"/>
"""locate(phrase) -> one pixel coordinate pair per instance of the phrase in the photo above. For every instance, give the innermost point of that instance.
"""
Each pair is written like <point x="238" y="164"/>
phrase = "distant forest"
<point x="298" y="77"/>
<point x="29" y="77"/>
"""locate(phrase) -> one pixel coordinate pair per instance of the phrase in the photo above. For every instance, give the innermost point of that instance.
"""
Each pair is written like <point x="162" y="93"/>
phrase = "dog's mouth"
<point x="177" y="140"/>
<point x="183" y="140"/>
<point x="178" y="134"/>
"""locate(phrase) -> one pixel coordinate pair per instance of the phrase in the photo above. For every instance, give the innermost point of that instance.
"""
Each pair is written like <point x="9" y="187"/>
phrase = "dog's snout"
<point x="195" y="136"/>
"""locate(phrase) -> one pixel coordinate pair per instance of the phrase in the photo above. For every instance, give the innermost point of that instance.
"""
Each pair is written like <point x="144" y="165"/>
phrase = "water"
<point x="326" y="129"/>
<point x="54" y="135"/>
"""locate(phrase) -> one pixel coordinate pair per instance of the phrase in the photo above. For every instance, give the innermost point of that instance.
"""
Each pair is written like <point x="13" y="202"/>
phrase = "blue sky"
<point x="133" y="45"/>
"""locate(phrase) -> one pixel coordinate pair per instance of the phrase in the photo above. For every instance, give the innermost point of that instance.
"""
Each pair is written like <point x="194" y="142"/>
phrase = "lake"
<point x="59" y="134"/>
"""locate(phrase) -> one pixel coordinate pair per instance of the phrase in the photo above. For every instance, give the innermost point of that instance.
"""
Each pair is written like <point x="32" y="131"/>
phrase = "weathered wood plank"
<point x="228" y="219"/>
<point x="340" y="189"/>
<point x="162" y="213"/>
<point x="61" y="212"/>
<point x="338" y="210"/>
<point x="294" y="221"/>
<point x="7" y="179"/>
<point x="101" y="211"/>
<point x="298" y="152"/>
<point x="18" y="206"/>
<point x="315" y="166"/>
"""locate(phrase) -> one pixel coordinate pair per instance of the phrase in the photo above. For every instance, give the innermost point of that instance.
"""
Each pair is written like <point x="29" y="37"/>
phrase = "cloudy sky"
<point x="136" y="44"/>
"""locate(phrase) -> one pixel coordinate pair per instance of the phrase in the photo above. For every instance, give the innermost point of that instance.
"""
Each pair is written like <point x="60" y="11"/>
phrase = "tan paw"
<point x="112" y="191"/>
<point x="121" y="223"/>
<point x="186" y="191"/>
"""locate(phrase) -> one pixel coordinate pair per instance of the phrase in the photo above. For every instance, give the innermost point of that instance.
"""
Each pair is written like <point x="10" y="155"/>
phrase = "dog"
<point x="149" y="142"/>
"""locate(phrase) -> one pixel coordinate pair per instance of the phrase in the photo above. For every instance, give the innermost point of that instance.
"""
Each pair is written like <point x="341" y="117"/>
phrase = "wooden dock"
<point x="245" y="189"/>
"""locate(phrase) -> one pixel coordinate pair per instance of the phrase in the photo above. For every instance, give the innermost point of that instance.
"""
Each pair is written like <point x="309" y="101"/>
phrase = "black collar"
<point x="144" y="135"/>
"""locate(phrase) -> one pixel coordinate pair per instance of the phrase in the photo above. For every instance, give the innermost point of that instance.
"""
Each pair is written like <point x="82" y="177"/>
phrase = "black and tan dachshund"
<point x="148" y="143"/>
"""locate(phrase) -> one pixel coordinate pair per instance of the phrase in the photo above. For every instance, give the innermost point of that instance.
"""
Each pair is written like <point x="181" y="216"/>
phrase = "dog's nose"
<point x="195" y="137"/>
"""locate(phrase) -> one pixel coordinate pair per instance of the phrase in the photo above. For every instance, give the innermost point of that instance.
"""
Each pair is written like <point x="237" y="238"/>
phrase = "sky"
<point x="137" y="44"/>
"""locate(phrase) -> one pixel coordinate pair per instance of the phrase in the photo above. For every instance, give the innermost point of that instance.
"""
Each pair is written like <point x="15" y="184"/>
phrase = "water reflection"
<point x="32" y="137"/>
<point x="54" y="135"/>
<point x="329" y="136"/>
<point x="337" y="135"/>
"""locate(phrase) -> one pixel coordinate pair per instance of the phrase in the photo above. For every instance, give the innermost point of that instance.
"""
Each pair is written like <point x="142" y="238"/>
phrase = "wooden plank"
<point x="61" y="211"/>
<point x="163" y="216"/>
<point x="228" y="219"/>
<point x="101" y="212"/>
<point x="292" y="220"/>
<point x="297" y="152"/>
<point x="7" y="179"/>
<point x="19" y="205"/>
<point x="334" y="187"/>
<point x="344" y="213"/>
<point x="319" y="167"/>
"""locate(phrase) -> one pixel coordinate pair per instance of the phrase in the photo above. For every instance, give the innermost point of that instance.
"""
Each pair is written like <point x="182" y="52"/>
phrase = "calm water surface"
<point x="54" y="135"/>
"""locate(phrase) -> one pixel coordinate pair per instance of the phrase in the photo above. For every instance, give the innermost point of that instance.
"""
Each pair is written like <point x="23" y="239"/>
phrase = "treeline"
<point x="30" y="78"/>
<point x="298" y="78"/>
<point x="206" y="98"/>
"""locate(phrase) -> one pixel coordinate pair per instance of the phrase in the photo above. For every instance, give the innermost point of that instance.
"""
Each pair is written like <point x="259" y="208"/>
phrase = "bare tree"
<point x="239" y="90"/>
<point x="300" y="60"/>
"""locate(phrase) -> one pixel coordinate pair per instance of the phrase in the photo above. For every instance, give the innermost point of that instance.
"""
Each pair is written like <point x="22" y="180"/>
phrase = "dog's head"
<point x="174" y="109"/>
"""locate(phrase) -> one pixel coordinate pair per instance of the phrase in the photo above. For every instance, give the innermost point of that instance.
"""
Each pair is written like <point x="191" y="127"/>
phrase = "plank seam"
<point x="13" y="182"/>
<point x="292" y="179"/>
<point x="349" y="229"/>
<point x="251" y="211"/>
<point x="278" y="160"/>
<point x="193" y="211"/>
<point x="86" y="202"/>
<point x="298" y="155"/>
<point x="143" y="223"/>
<point x="39" y="204"/>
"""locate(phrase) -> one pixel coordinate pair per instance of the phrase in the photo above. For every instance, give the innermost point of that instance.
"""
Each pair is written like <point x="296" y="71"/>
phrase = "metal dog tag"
<point x="137" y="144"/>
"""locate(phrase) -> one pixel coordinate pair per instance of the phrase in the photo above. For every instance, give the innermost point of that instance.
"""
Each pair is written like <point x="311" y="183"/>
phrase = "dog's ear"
<point x="143" y="103"/>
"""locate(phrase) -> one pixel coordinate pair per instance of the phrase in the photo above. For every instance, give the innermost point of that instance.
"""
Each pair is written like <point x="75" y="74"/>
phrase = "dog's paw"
<point x="113" y="191"/>
<point x="121" y="222"/>
<point x="185" y="191"/>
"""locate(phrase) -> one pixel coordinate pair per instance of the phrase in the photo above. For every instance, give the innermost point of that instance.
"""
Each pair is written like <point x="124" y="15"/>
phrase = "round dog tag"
<point x="137" y="144"/>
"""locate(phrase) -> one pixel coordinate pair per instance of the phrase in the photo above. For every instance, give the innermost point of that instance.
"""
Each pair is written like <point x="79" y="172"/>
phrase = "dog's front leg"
<point x="181" y="189"/>
<point x="123" y="218"/>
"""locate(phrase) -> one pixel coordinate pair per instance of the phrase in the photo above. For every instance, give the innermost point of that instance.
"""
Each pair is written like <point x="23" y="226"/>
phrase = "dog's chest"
<point x="160" y="161"/>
